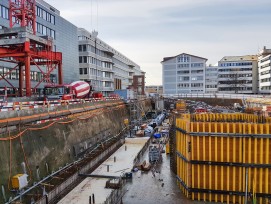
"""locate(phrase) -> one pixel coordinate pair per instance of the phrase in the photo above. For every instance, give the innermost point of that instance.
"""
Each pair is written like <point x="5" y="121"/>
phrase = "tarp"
<point x="157" y="135"/>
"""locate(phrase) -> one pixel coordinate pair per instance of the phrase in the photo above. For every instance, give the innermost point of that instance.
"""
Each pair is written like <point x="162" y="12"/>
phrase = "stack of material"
<point x="143" y="126"/>
<point x="145" y="166"/>
<point x="140" y="133"/>
<point x="113" y="184"/>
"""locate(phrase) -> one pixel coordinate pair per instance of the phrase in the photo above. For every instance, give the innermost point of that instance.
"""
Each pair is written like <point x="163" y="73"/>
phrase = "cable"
<point x="25" y="159"/>
<point x="52" y="123"/>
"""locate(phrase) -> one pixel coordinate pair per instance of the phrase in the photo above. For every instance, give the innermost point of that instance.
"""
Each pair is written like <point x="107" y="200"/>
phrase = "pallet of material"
<point x="145" y="166"/>
<point x="140" y="133"/>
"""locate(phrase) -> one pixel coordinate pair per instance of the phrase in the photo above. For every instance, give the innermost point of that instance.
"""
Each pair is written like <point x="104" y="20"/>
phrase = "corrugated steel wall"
<point x="213" y="157"/>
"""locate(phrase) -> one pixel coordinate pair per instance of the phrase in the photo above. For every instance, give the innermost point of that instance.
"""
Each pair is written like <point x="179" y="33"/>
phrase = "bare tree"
<point x="236" y="80"/>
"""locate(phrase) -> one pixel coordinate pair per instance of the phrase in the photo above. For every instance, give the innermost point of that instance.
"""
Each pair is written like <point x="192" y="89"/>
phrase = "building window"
<point x="45" y="30"/>
<point x="4" y="12"/>
<point x="45" y="15"/>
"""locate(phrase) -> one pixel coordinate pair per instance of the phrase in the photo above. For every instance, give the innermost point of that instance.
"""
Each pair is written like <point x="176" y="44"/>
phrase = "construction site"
<point x="72" y="144"/>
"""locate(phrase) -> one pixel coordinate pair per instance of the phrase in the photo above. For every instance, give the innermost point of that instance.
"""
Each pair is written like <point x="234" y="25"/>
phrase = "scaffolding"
<point x="136" y="112"/>
<point x="20" y="46"/>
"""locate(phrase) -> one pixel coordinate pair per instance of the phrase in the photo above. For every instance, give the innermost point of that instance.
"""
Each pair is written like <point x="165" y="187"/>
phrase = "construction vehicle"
<point x="74" y="90"/>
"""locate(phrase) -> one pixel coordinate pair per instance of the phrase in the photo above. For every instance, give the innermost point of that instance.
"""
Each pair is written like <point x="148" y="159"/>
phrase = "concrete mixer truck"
<point x="74" y="90"/>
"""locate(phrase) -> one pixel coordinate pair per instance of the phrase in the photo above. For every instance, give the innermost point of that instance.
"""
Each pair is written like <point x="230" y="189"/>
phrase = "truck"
<point x="74" y="90"/>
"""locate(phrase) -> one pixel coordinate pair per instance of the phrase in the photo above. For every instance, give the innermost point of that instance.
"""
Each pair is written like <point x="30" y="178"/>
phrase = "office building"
<point x="238" y="74"/>
<point x="64" y="35"/>
<point x="183" y="73"/>
<point x="264" y="70"/>
<point x="103" y="66"/>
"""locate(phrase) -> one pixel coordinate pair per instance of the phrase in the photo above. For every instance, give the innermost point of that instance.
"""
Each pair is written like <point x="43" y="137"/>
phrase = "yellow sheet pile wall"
<point x="212" y="166"/>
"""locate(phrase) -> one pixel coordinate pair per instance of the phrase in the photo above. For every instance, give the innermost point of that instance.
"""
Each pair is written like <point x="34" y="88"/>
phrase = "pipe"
<point x="38" y="172"/>
<point x="23" y="167"/>
<point x="4" y="193"/>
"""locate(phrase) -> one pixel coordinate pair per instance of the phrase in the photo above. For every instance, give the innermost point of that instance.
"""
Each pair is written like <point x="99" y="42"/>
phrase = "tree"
<point x="236" y="81"/>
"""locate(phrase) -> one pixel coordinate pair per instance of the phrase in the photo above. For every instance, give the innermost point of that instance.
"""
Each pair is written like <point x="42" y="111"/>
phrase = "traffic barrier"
<point x="219" y="158"/>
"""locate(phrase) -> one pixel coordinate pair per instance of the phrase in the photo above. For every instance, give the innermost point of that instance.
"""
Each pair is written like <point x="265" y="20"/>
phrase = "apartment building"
<point x="183" y="73"/>
<point x="264" y="71"/>
<point x="238" y="74"/>
<point x="211" y="79"/>
<point x="64" y="34"/>
<point x="103" y="66"/>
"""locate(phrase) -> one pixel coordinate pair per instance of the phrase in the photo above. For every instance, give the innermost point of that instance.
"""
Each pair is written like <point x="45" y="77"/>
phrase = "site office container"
<point x="215" y="158"/>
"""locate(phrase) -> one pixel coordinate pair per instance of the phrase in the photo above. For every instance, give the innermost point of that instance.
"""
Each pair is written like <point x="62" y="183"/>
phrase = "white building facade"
<point x="183" y="73"/>
<point x="211" y="79"/>
<point x="238" y="74"/>
<point x="264" y="70"/>
<point x="104" y="67"/>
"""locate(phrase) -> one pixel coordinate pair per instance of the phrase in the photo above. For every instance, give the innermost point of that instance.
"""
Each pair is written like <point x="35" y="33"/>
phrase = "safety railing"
<point x="9" y="106"/>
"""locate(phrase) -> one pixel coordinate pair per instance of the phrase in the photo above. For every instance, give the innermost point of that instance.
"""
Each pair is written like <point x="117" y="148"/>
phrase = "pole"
<point x="246" y="185"/>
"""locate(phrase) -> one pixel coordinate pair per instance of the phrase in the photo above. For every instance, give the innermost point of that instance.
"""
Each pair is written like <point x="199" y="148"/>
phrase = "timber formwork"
<point x="224" y="157"/>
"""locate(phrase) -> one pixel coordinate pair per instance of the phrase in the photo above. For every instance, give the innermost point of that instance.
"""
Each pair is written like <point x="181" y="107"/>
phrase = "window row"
<point x="266" y="59"/>
<point x="34" y="76"/>
<point x="183" y="65"/>
<point x="233" y="75"/>
<point x="235" y="89"/>
<point x="90" y="71"/>
<point x="90" y="48"/>
<point x="197" y="85"/>
<point x="235" y="70"/>
<point x="90" y="60"/>
<point x="266" y="88"/>
<point x="266" y="65"/>
<point x="266" y="80"/>
<point x="183" y="72"/>
<point x="45" y="15"/>
<point x="45" y="30"/>
<point x="197" y="65"/>
<point x="236" y="82"/>
<point x="183" y="58"/>
<point x="183" y="85"/>
<point x="266" y="72"/>
<point x="211" y="74"/>
<point x="199" y="71"/>
<point x="235" y="64"/>
<point x="211" y="86"/>
<point x="196" y="78"/>
<point x="4" y="12"/>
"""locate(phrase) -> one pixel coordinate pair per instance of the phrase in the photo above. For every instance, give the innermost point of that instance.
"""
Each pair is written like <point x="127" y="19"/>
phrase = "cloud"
<point x="148" y="30"/>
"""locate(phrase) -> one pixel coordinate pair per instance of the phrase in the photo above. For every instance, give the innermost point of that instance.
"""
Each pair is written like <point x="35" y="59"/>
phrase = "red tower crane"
<point x="19" y="45"/>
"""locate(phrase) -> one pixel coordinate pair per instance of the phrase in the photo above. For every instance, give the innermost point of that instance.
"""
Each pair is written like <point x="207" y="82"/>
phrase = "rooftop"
<point x="240" y="58"/>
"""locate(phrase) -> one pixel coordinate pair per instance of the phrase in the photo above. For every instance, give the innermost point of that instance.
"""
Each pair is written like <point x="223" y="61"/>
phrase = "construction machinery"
<point x="77" y="89"/>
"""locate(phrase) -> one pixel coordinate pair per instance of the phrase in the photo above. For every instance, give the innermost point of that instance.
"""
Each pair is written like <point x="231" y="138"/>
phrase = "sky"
<point x="146" y="31"/>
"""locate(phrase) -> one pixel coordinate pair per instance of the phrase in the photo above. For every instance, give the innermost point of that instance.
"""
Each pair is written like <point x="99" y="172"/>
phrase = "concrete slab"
<point x="96" y="186"/>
